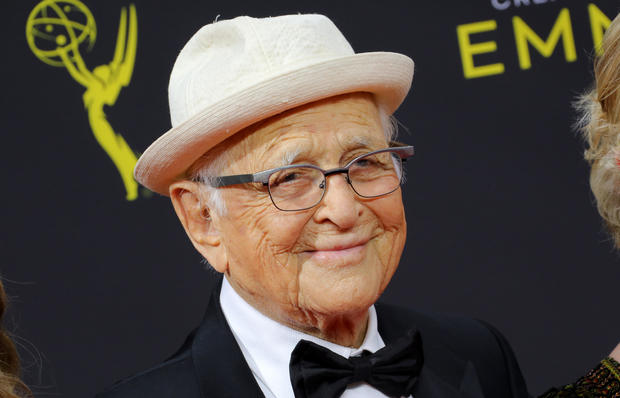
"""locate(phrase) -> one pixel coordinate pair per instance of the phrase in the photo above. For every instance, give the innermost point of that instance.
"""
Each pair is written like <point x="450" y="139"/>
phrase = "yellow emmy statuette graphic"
<point x="56" y="30"/>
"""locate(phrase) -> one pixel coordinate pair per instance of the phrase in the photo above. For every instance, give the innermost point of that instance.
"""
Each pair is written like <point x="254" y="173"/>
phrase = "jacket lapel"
<point x="435" y="382"/>
<point x="223" y="373"/>
<point x="444" y="374"/>
<point x="220" y="366"/>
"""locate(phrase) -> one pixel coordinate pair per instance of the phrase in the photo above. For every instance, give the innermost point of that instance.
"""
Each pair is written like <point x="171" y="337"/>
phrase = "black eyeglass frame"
<point x="262" y="177"/>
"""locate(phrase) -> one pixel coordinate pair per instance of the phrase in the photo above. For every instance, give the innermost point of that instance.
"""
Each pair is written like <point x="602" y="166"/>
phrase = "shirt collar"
<point x="267" y="344"/>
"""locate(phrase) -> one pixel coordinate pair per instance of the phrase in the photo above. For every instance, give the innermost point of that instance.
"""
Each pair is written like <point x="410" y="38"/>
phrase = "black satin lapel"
<point x="471" y="384"/>
<point x="221" y="368"/>
<point x="431" y="385"/>
<point x="453" y="378"/>
<point x="444" y="373"/>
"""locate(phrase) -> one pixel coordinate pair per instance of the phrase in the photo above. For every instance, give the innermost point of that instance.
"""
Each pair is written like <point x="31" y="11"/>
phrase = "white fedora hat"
<point x="236" y="72"/>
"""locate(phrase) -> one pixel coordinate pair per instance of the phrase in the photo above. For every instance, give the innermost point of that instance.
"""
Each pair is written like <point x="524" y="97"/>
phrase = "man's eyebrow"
<point x="289" y="156"/>
<point x="359" y="141"/>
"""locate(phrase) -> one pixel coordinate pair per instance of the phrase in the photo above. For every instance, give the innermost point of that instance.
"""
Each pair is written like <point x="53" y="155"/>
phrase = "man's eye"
<point x="366" y="163"/>
<point x="286" y="177"/>
<point x="290" y="177"/>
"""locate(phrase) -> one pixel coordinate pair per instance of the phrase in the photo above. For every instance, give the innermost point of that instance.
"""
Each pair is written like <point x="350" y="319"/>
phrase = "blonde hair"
<point x="600" y="124"/>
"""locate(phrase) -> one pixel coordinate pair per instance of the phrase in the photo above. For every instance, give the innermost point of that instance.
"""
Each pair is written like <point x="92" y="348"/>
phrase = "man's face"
<point x="333" y="259"/>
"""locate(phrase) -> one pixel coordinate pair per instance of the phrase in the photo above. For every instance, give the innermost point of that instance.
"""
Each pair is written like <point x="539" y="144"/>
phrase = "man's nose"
<point x="340" y="204"/>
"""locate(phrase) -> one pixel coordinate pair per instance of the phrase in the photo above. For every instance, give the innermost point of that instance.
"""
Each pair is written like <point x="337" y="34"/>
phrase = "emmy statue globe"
<point x="56" y="30"/>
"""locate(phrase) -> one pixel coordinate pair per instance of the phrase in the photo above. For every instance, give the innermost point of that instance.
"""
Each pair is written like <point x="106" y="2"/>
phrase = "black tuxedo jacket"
<point x="462" y="358"/>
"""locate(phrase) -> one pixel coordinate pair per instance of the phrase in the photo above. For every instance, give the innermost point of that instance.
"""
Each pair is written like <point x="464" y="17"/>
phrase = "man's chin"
<point x="339" y="304"/>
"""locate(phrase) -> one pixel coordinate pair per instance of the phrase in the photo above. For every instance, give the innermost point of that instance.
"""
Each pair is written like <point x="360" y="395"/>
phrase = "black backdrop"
<point x="501" y="220"/>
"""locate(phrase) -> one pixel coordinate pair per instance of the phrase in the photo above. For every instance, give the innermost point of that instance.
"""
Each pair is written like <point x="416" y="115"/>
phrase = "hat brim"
<point x="387" y="75"/>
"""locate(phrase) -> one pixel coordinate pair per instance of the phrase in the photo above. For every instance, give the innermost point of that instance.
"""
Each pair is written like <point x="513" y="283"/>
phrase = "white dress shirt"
<point x="267" y="346"/>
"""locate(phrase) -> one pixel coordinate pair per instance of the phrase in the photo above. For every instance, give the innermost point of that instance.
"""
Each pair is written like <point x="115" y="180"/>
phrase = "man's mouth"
<point x="342" y="251"/>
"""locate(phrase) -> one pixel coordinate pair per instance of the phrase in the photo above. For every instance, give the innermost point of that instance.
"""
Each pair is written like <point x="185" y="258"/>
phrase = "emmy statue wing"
<point x="119" y="51"/>
<point x="126" y="45"/>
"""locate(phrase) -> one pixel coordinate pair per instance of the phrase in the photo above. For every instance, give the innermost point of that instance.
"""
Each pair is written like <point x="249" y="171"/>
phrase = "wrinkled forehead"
<point x="334" y="125"/>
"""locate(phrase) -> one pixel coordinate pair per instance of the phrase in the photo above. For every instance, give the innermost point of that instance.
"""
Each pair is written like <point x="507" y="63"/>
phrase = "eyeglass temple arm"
<point x="405" y="151"/>
<point x="224" y="181"/>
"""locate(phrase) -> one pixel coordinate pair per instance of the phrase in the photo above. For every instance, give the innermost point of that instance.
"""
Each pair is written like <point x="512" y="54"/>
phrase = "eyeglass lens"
<point x="299" y="188"/>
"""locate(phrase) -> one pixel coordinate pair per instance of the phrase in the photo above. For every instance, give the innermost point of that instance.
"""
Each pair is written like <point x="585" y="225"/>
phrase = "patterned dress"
<point x="602" y="381"/>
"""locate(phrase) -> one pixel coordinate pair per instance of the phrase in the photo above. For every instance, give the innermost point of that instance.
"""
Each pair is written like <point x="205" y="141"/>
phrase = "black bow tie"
<point x="317" y="372"/>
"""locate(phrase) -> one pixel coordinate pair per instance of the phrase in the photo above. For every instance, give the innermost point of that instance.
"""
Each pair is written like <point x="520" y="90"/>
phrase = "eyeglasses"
<point x="302" y="186"/>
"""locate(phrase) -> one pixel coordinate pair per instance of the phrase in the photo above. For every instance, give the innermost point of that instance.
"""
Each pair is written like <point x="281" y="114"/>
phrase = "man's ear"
<point x="199" y="223"/>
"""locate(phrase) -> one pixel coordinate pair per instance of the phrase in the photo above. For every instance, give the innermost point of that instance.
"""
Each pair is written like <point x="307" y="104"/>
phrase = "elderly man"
<point x="281" y="167"/>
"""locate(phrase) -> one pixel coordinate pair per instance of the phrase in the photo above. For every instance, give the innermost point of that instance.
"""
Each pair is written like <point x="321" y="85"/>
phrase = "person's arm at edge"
<point x="615" y="354"/>
<point x="604" y="377"/>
